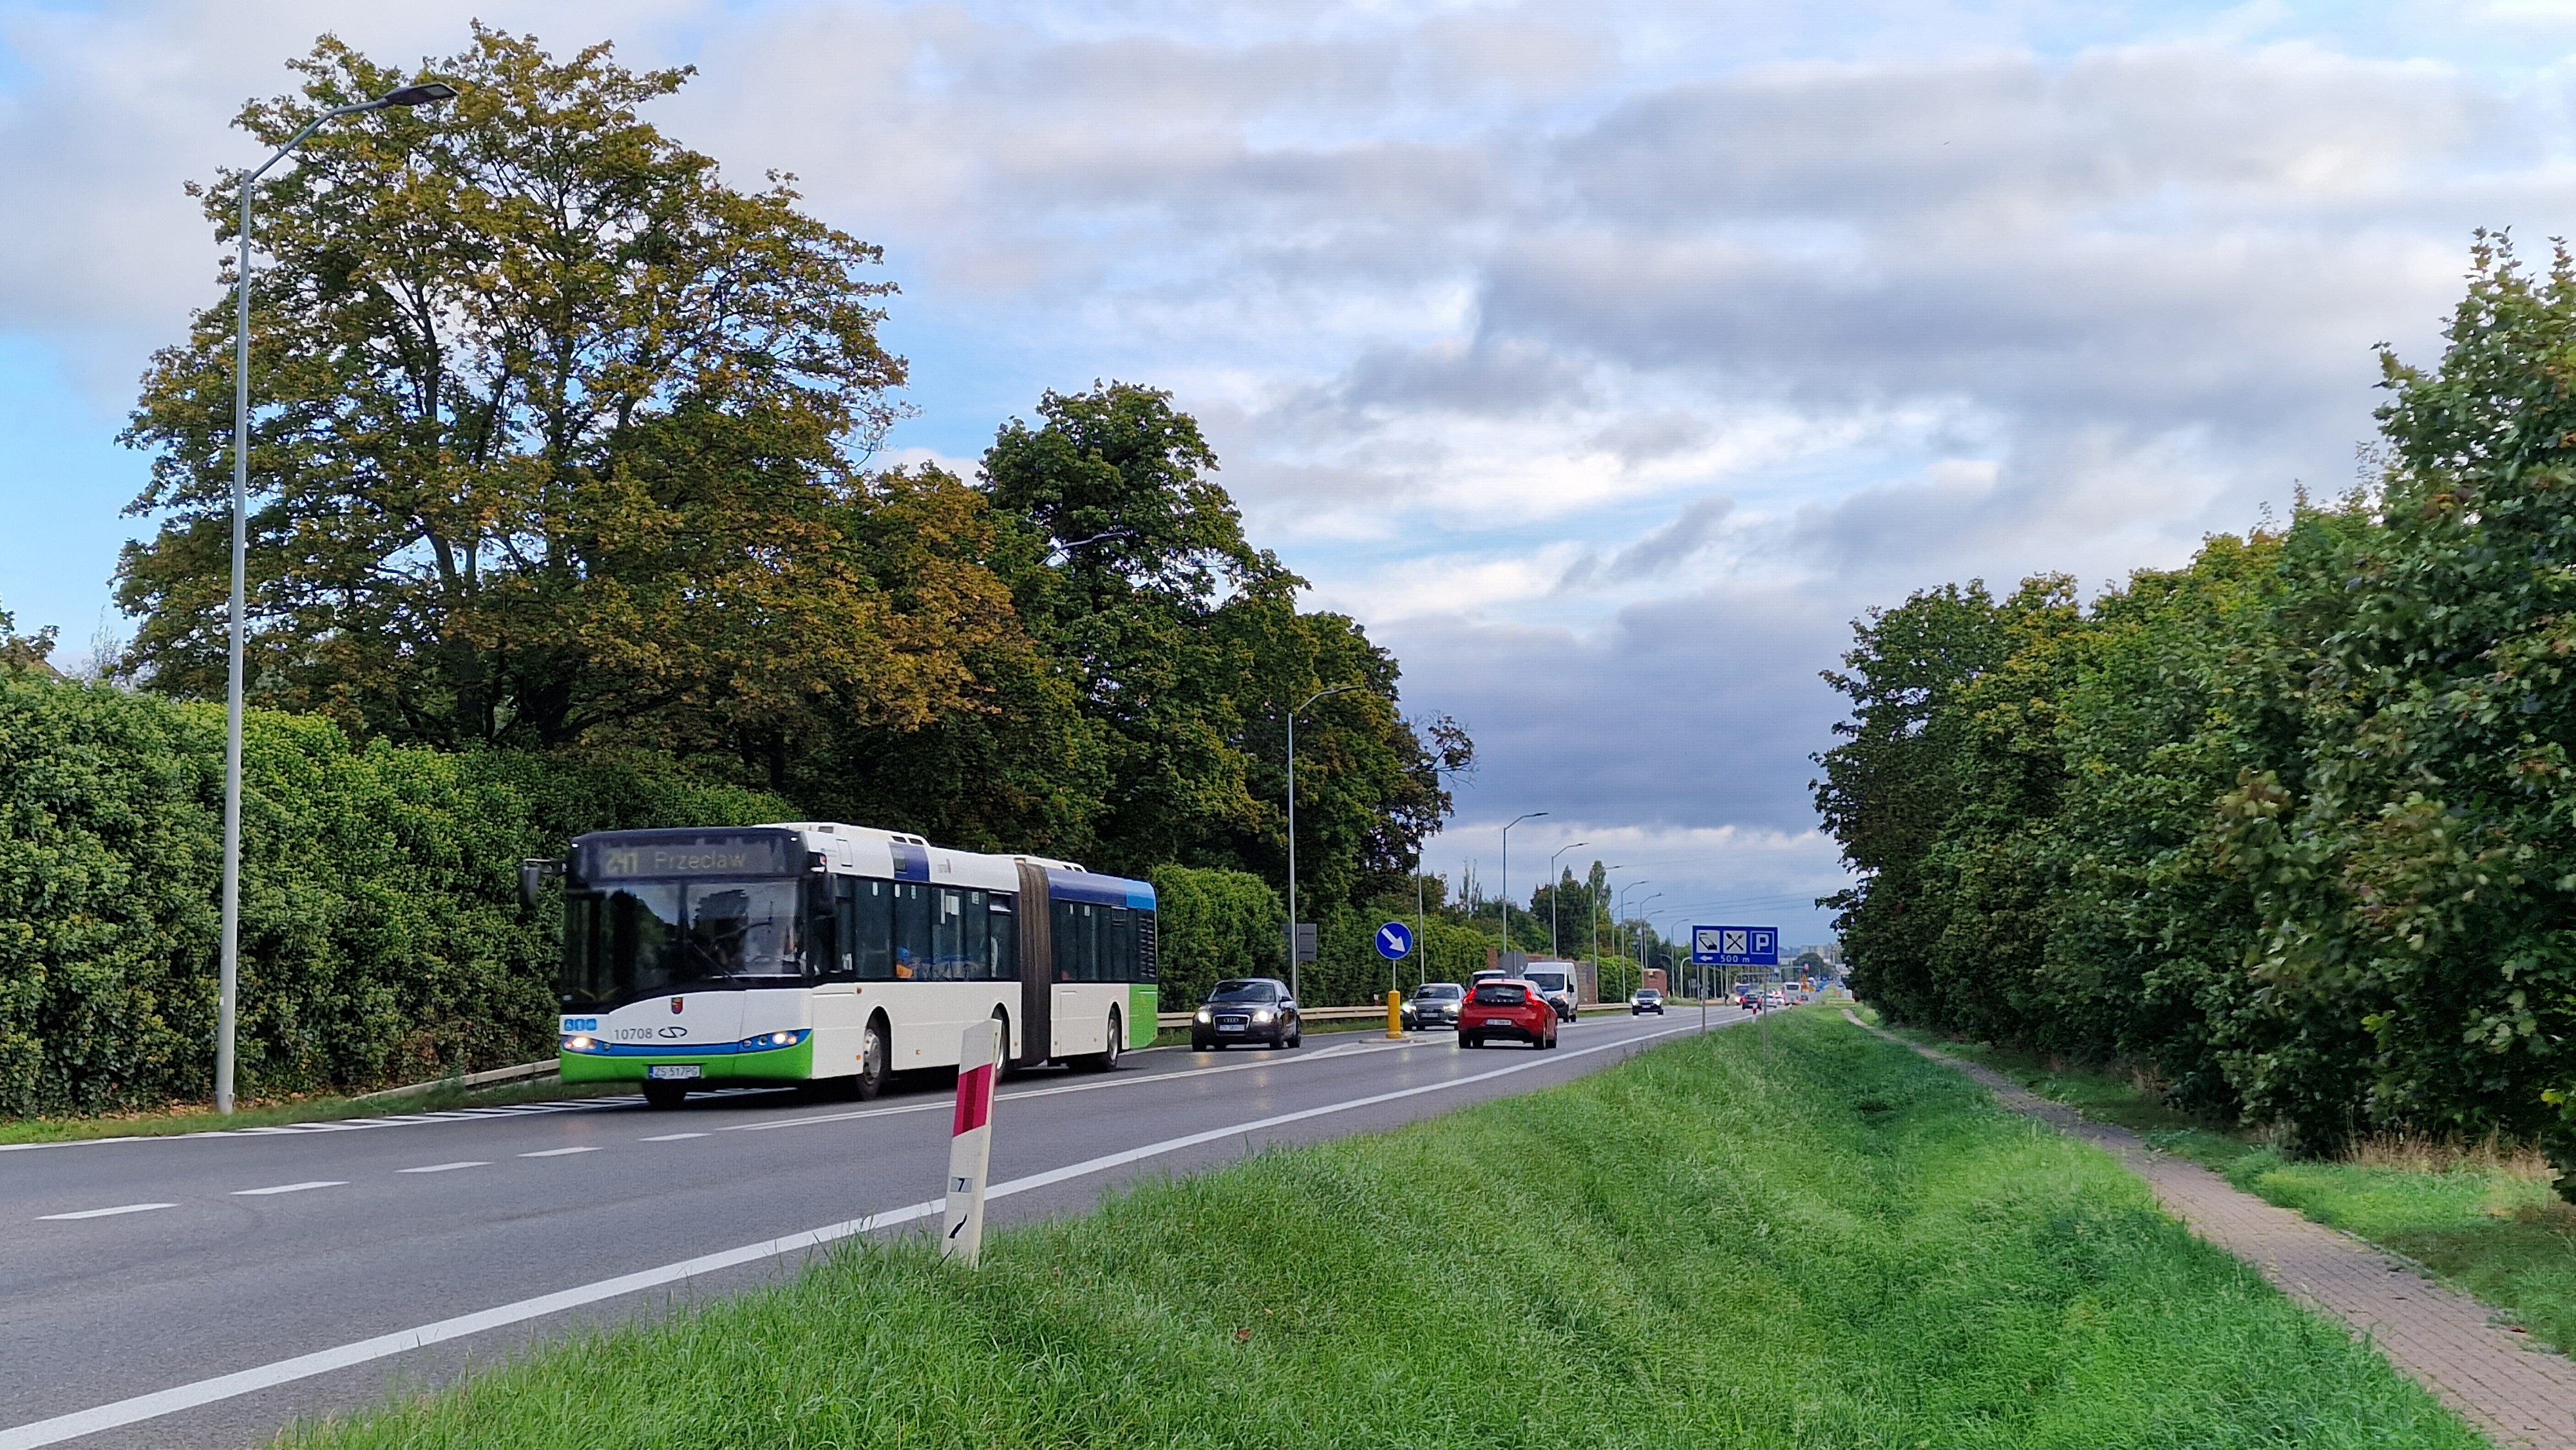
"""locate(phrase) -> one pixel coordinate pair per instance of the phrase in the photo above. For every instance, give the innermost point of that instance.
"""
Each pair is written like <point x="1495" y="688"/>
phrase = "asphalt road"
<point x="148" y="1266"/>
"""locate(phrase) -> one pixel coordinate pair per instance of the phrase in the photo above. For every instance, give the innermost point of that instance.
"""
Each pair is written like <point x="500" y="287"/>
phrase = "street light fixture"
<point x="1507" y="871"/>
<point x="229" y="968"/>
<point x="1292" y="827"/>
<point x="1553" y="893"/>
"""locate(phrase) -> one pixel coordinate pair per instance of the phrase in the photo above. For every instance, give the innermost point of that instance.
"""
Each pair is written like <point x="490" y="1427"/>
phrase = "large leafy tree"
<point x="1185" y="649"/>
<point x="555" y="432"/>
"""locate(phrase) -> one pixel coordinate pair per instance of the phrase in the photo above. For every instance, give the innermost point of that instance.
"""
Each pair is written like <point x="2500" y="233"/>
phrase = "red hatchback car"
<point x="1506" y="1007"/>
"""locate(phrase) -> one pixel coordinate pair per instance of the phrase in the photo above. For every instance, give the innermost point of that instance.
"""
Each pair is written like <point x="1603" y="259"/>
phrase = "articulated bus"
<point x="830" y="954"/>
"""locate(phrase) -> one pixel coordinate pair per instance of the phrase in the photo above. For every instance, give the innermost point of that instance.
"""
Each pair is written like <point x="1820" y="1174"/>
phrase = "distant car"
<point x="1556" y="984"/>
<point x="1436" y="1005"/>
<point x="1247" y="1009"/>
<point x="1646" y="1000"/>
<point x="1774" y="999"/>
<point x="1507" y="1007"/>
<point x="1749" y="1001"/>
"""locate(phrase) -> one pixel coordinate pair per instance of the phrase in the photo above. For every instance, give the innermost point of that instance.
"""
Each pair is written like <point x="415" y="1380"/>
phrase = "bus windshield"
<point x="645" y="938"/>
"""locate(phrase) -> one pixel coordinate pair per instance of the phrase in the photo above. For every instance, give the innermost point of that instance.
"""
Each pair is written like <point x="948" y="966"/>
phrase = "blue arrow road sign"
<point x="1735" y="946"/>
<point x="1395" y="941"/>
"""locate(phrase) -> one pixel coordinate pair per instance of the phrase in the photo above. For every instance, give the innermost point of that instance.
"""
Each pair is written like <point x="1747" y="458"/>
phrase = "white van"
<point x="1555" y="982"/>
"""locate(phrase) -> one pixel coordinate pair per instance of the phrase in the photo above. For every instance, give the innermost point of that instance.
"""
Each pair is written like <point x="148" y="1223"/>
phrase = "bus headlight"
<point x="763" y="1041"/>
<point x="578" y="1043"/>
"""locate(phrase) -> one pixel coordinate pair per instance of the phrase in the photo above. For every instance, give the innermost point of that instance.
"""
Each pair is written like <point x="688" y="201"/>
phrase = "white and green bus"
<point x="830" y="954"/>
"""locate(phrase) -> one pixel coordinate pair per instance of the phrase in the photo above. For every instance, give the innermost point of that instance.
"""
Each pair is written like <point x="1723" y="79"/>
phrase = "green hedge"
<point x="1215" y="924"/>
<point x="382" y="940"/>
<point x="381" y="937"/>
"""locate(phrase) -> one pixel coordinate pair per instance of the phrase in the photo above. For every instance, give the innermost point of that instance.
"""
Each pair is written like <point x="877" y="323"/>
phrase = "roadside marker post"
<point x="1395" y="943"/>
<point x="970" y="1141"/>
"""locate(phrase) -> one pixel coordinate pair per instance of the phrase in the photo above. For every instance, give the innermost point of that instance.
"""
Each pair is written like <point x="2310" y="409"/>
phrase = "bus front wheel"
<point x="872" y="1061"/>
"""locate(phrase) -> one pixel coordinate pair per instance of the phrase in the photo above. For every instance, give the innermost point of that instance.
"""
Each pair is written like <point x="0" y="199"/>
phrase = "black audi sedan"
<point x="1435" y="1006"/>
<point x="1246" y="1009"/>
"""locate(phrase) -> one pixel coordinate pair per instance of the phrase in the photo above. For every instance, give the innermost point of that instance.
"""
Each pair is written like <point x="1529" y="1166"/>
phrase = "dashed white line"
<point x="559" y="1152"/>
<point x="448" y="1167"/>
<point x="109" y="1212"/>
<point x="290" y="1188"/>
<point x="670" y="1137"/>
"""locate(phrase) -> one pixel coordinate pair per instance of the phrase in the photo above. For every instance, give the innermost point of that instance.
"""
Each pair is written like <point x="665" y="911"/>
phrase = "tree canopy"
<point x="2288" y="826"/>
<point x="563" y="442"/>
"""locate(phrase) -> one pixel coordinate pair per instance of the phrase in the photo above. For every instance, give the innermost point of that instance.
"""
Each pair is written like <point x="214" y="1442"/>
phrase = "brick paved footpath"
<point x="2497" y="1379"/>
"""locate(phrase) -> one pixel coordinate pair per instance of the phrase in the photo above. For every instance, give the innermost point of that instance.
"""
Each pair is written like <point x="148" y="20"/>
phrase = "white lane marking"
<point x="106" y="1212"/>
<point x="40" y="1433"/>
<point x="559" y="1152"/>
<point x="448" y="1167"/>
<point x="290" y="1188"/>
<point x="346" y="1125"/>
<point x="669" y="1137"/>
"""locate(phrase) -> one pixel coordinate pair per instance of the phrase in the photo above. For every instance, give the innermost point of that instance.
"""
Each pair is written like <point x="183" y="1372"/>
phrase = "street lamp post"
<point x="1292" y="828"/>
<point x="228" y="971"/>
<point x="1642" y="903"/>
<point x="1619" y="913"/>
<point x="1507" y="871"/>
<point x="1553" y="893"/>
<point x="1592" y="911"/>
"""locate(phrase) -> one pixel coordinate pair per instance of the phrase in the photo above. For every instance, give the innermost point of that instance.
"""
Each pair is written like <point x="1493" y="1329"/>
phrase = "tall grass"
<point x="1834" y="1244"/>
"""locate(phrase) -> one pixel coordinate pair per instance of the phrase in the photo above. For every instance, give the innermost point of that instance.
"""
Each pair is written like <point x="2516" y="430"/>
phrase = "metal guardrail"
<point x="1378" y="1012"/>
<point x="519" y="1073"/>
<point x="1311" y="1014"/>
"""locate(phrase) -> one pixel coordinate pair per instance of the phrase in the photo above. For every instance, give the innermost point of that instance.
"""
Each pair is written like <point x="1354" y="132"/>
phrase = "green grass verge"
<point x="1834" y="1244"/>
<point x="2493" y="1229"/>
<point x="197" y="1118"/>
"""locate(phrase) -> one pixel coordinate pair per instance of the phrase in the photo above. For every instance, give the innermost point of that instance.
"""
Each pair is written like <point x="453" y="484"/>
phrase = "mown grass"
<point x="2487" y="1220"/>
<point x="200" y="1117"/>
<point x="1834" y="1244"/>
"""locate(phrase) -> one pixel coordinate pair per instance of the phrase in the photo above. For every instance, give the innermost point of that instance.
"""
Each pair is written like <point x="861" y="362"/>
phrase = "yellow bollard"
<point x="1394" y="1014"/>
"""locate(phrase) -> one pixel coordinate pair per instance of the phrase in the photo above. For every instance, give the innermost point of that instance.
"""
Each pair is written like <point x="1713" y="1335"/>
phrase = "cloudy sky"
<point x="1605" y="359"/>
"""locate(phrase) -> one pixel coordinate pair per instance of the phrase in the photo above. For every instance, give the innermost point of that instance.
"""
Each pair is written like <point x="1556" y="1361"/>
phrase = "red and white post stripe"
<point x="970" y="1140"/>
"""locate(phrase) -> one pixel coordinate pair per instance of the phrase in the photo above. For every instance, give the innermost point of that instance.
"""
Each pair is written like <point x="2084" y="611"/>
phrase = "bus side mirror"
<point x="533" y="872"/>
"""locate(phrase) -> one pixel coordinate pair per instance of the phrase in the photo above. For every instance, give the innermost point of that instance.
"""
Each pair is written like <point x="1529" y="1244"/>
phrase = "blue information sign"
<point x="1735" y="946"/>
<point x="1395" y="941"/>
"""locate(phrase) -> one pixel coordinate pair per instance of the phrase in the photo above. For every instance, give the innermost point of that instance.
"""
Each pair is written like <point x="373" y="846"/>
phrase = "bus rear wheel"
<point x="665" y="1095"/>
<point x="1106" y="1059"/>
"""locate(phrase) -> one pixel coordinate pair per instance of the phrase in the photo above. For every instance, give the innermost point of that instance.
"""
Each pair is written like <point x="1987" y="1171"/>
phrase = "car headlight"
<point x="1262" y="1014"/>
<point x="1206" y="1016"/>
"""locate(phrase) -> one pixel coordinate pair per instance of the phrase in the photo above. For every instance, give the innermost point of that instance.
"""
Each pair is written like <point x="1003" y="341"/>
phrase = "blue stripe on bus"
<point x="1098" y="890"/>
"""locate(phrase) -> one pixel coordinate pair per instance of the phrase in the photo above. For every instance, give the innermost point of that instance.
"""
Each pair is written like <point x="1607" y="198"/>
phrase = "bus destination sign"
<point x="697" y="854"/>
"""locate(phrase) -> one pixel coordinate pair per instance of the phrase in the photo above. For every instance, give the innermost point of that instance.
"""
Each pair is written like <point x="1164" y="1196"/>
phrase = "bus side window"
<point x="1003" y="941"/>
<point x="912" y="957"/>
<point x="1117" y="945"/>
<point x="1077" y="951"/>
<point x="867" y="929"/>
<point x="963" y="948"/>
<point x="822" y="960"/>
